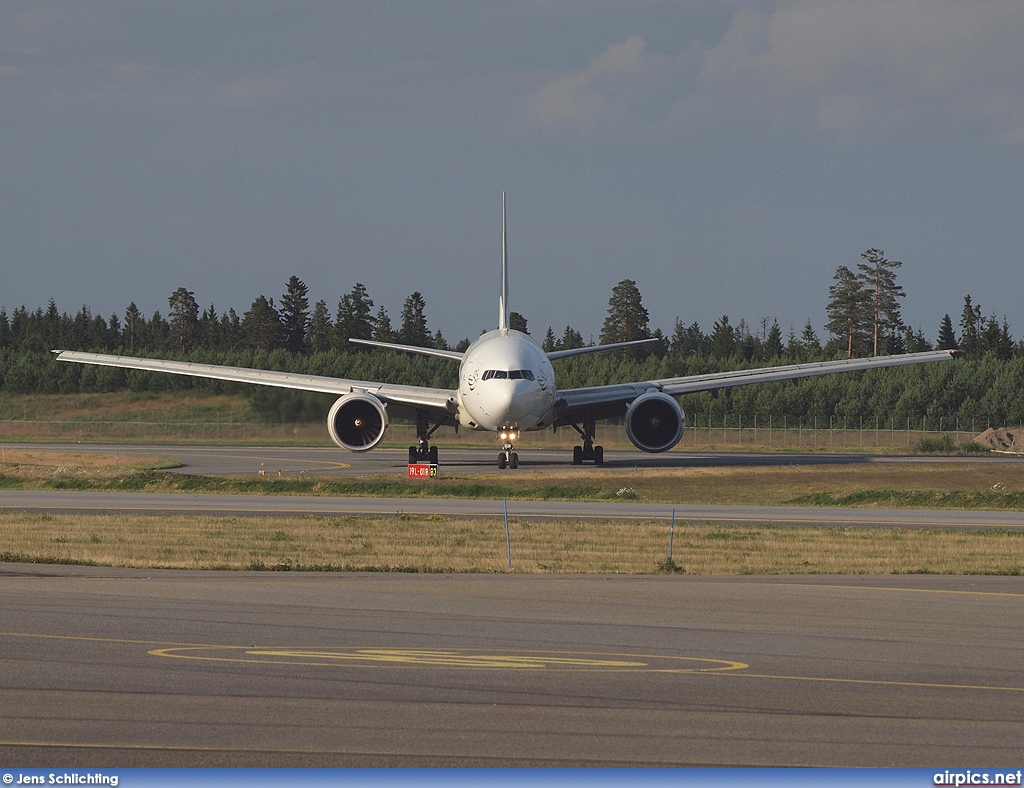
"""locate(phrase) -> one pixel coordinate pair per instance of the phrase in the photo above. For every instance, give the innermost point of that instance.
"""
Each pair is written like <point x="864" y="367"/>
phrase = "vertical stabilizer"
<point x="503" y="304"/>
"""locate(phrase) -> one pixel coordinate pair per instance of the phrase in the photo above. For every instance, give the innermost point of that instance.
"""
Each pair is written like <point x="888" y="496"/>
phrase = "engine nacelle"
<point x="654" y="422"/>
<point x="357" y="422"/>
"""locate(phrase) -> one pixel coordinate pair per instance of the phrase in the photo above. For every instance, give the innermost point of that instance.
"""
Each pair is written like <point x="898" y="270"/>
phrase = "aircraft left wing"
<point x="437" y="401"/>
<point x="608" y="401"/>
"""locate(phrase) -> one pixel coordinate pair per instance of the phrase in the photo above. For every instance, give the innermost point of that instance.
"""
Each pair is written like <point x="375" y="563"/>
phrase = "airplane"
<point x="506" y="387"/>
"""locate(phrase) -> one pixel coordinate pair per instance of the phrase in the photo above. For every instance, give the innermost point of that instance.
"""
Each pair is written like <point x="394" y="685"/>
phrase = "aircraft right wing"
<point x="440" y="402"/>
<point x="611" y="400"/>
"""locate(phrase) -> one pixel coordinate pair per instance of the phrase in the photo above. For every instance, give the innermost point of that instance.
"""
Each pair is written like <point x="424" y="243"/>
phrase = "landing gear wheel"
<point x="513" y="460"/>
<point x="502" y="461"/>
<point x="588" y="452"/>
<point x="424" y="452"/>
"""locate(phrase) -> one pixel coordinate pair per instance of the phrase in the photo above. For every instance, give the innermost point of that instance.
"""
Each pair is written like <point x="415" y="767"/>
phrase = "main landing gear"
<point x="508" y="458"/>
<point x="588" y="452"/>
<point x="424" y="452"/>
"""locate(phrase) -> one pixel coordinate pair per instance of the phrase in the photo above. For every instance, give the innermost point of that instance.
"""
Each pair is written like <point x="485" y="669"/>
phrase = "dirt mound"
<point x="1003" y="439"/>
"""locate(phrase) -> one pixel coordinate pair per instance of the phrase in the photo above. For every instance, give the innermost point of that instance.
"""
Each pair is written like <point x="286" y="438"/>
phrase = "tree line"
<point x="863" y="314"/>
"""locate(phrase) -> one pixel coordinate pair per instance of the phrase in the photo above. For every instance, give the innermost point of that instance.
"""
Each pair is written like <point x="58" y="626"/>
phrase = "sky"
<point x="725" y="155"/>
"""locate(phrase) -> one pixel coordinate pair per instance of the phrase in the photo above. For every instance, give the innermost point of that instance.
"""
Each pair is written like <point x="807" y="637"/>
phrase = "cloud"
<point x="604" y="93"/>
<point x="281" y="84"/>
<point x="870" y="68"/>
<point x="846" y="70"/>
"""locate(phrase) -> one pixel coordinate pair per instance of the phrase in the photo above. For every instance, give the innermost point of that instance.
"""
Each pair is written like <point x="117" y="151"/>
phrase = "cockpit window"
<point x="515" y="374"/>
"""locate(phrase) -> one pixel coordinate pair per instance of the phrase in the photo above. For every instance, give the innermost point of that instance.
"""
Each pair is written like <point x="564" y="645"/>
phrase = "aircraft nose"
<point x="510" y="401"/>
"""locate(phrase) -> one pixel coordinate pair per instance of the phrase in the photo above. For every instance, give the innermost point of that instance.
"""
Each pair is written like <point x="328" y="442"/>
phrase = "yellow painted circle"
<point x="457" y="659"/>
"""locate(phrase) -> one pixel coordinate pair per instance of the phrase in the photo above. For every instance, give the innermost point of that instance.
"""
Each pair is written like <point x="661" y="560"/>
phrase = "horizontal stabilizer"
<point x="422" y="351"/>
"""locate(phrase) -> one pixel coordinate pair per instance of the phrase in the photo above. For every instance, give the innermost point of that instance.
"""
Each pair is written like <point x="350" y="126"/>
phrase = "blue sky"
<point x="727" y="156"/>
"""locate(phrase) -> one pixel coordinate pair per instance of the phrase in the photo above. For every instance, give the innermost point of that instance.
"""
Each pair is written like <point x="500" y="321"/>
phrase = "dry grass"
<point x="39" y="464"/>
<point x="781" y="484"/>
<point x="437" y="544"/>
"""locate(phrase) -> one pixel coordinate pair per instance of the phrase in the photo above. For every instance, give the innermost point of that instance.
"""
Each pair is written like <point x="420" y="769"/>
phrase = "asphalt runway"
<point x="102" y="667"/>
<point x="291" y="461"/>
<point x="110" y="667"/>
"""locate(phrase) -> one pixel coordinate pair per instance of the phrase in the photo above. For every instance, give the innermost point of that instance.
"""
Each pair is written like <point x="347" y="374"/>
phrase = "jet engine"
<point x="654" y="422"/>
<point x="357" y="421"/>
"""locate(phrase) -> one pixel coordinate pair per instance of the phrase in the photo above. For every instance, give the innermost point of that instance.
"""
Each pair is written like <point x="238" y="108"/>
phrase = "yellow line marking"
<point x="881" y="683"/>
<point x="534" y="660"/>
<point x="109" y="640"/>
<point x="546" y="660"/>
<point x="898" y="588"/>
<point x="188" y="748"/>
<point x="386" y="753"/>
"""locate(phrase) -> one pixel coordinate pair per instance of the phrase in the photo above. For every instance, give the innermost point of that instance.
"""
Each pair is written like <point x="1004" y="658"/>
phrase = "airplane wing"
<point x="610" y="401"/>
<point x="441" y="402"/>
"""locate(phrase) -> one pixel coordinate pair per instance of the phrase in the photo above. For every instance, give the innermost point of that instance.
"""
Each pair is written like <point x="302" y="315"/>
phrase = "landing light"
<point x="508" y="436"/>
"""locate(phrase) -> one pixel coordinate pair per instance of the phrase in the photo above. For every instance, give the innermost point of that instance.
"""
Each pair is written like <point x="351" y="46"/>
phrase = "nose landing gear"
<point x="508" y="458"/>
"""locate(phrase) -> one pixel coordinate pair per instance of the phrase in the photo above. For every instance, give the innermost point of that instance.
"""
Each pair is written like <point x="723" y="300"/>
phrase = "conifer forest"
<point x="984" y="386"/>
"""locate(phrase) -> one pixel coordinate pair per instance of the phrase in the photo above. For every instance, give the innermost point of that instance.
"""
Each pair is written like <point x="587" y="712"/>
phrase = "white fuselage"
<point x="506" y="382"/>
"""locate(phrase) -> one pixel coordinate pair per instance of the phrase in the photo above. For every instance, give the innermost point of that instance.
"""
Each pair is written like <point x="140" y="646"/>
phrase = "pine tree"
<point x="231" y="335"/>
<point x="262" y="325"/>
<point x="879" y="277"/>
<point x="688" y="340"/>
<point x="849" y="312"/>
<point x="5" y="329"/>
<point x="183" y="316"/>
<point x="517" y="322"/>
<point x="724" y="343"/>
<point x="209" y="330"/>
<point x="549" y="341"/>
<point x="915" y="341"/>
<point x="382" y="331"/>
<point x="134" y="328"/>
<point x="809" y="341"/>
<point x="773" y="342"/>
<point x="321" y="332"/>
<point x="970" y="326"/>
<point x="294" y="314"/>
<point x="355" y="317"/>
<point x="50" y="326"/>
<point x="113" y="332"/>
<point x="414" y="323"/>
<point x="627" y="319"/>
<point x="947" y="339"/>
<point x="571" y="339"/>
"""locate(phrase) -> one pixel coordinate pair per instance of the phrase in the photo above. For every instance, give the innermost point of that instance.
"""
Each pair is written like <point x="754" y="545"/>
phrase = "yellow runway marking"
<point x="882" y="683"/>
<point x="898" y="588"/>
<point x="470" y="660"/>
<point x="551" y="661"/>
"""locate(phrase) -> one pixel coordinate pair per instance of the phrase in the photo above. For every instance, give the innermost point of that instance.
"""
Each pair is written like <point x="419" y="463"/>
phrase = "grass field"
<point x="416" y="544"/>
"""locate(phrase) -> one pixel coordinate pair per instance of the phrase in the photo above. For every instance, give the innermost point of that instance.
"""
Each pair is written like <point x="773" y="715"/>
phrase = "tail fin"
<point x="503" y="304"/>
